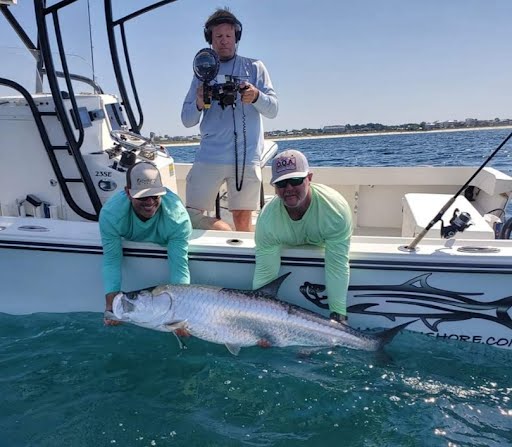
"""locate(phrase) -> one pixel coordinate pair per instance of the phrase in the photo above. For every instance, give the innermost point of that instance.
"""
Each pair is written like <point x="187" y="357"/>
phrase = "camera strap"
<point x="239" y="182"/>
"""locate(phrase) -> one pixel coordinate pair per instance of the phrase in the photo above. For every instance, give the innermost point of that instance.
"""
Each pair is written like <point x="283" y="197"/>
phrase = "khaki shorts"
<point x="199" y="220"/>
<point x="204" y="181"/>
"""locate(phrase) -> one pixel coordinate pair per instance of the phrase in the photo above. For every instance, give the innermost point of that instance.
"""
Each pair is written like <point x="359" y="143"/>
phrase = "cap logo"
<point x="286" y="164"/>
<point x="145" y="181"/>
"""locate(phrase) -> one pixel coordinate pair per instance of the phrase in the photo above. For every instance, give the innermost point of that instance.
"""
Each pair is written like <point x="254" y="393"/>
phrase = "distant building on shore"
<point x="338" y="128"/>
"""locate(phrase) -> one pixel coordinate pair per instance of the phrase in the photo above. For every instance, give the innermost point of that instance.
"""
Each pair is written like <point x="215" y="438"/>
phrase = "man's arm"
<point x="337" y="273"/>
<point x="177" y="257"/>
<point x="266" y="102"/>
<point x="177" y="246"/>
<point x="267" y="250"/>
<point x="112" y="259"/>
<point x="190" y="114"/>
<point x="112" y="255"/>
<point x="268" y="263"/>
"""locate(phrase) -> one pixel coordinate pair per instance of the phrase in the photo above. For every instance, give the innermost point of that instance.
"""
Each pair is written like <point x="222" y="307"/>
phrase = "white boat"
<point x="59" y="162"/>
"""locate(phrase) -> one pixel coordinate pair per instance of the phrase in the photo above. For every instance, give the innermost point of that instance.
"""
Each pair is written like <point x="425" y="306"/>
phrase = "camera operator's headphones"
<point x="219" y="20"/>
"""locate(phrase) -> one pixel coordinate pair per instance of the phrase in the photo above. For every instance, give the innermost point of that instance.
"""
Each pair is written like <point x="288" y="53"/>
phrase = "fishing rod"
<point x="417" y="239"/>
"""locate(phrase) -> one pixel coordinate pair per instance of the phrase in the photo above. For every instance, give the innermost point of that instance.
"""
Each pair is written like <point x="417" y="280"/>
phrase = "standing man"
<point x="231" y="136"/>
<point x="304" y="213"/>
<point x="145" y="211"/>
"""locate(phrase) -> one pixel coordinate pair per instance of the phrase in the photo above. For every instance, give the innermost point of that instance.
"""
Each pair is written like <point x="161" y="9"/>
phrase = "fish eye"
<point x="132" y="295"/>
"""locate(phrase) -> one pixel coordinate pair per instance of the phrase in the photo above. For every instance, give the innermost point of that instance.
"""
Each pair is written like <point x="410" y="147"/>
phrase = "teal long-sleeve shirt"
<point x="169" y="227"/>
<point x="326" y="223"/>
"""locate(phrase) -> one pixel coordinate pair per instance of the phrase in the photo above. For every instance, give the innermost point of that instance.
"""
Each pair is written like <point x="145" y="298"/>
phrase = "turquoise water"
<point x="66" y="380"/>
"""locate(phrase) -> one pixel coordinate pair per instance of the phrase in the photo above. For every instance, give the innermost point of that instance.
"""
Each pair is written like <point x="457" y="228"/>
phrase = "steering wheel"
<point x="132" y="141"/>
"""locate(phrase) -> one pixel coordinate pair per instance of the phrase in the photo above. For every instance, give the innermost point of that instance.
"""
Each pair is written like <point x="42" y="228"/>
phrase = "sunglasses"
<point x="145" y="199"/>
<point x="294" y="181"/>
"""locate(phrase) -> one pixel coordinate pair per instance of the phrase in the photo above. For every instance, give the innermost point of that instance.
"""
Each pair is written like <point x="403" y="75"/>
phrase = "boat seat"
<point x="420" y="208"/>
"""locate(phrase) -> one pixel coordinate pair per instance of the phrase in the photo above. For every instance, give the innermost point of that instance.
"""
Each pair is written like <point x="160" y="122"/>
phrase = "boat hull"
<point x="453" y="291"/>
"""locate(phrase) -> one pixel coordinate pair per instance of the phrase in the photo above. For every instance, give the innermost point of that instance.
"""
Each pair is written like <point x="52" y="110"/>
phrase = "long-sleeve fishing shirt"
<point x="219" y="127"/>
<point x="326" y="223"/>
<point x="169" y="227"/>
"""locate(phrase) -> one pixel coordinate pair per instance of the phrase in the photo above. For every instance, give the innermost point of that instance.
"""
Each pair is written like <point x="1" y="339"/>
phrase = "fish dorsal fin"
<point x="272" y="287"/>
<point x="234" y="349"/>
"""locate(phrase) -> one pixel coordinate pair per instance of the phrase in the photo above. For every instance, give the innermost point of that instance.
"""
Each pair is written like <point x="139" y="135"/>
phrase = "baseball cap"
<point x="143" y="180"/>
<point x="289" y="164"/>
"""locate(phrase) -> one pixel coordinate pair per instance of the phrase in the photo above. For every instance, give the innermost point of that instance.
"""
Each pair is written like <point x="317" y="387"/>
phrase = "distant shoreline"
<point x="363" y="134"/>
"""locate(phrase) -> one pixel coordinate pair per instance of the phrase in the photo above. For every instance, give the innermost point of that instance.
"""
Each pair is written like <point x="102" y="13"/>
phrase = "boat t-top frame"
<point x="72" y="123"/>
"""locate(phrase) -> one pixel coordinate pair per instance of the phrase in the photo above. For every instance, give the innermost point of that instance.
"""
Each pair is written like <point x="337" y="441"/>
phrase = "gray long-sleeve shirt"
<point x="219" y="125"/>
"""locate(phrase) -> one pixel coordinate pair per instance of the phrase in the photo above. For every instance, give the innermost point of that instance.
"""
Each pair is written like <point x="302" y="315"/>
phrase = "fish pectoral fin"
<point x="181" y="343"/>
<point x="234" y="349"/>
<point x="179" y="329"/>
<point x="173" y="325"/>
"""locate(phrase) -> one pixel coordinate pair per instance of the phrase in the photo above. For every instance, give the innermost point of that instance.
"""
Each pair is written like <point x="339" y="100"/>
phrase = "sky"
<point x="331" y="61"/>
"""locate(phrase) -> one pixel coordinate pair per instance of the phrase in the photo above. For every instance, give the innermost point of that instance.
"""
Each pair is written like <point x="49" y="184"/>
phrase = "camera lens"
<point x="206" y="64"/>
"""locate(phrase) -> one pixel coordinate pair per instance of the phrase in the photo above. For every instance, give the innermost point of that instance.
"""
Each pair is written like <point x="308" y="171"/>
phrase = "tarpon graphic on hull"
<point x="417" y="299"/>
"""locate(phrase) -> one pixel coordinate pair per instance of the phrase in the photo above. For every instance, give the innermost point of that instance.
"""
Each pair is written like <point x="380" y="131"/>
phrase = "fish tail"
<point x="386" y="336"/>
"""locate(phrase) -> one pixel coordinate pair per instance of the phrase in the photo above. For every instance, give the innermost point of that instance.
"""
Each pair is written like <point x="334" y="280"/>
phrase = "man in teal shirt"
<point x="304" y="213"/>
<point x="145" y="211"/>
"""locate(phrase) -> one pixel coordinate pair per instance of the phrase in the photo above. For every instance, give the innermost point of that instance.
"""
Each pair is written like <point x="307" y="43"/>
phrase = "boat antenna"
<point x="417" y="239"/>
<point x="90" y="40"/>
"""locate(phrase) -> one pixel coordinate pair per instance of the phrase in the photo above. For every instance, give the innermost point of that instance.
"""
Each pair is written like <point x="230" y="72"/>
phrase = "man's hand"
<point x="109" y="298"/>
<point x="200" y="97"/>
<point x="248" y="92"/>
<point x="338" y="318"/>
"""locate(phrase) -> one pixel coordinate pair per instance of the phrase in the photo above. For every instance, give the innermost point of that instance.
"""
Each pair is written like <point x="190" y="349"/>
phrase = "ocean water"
<point x="67" y="380"/>
<point x="468" y="148"/>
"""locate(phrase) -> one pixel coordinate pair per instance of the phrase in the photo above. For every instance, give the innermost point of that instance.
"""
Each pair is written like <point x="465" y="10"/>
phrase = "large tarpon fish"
<point x="239" y="318"/>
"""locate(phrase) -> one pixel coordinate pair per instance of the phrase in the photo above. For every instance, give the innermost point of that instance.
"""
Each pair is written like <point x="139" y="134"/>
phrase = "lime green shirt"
<point x="327" y="223"/>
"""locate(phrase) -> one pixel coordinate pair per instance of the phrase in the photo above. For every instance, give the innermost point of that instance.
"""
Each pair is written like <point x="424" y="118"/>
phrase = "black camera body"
<point x="226" y="93"/>
<point x="206" y="67"/>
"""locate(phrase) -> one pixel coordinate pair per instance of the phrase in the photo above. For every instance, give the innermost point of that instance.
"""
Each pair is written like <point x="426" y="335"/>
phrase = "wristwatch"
<point x="335" y="316"/>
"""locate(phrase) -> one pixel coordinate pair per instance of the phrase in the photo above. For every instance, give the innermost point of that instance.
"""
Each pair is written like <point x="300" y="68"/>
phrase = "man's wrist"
<point x="335" y="316"/>
<point x="109" y="300"/>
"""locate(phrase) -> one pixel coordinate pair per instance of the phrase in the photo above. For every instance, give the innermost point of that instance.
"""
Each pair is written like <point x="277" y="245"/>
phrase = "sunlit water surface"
<point x="66" y="380"/>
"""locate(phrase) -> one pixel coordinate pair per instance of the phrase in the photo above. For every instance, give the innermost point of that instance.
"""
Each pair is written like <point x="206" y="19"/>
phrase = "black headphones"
<point x="219" y="20"/>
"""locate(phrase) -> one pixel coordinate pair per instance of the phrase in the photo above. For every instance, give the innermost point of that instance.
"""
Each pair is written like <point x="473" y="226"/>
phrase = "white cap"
<point x="143" y="180"/>
<point x="289" y="164"/>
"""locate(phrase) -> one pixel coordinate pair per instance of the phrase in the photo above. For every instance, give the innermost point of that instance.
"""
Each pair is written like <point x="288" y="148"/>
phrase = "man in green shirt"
<point x="145" y="211"/>
<point x="304" y="213"/>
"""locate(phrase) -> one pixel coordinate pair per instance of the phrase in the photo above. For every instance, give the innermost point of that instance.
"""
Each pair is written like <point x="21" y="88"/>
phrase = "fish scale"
<point x="240" y="318"/>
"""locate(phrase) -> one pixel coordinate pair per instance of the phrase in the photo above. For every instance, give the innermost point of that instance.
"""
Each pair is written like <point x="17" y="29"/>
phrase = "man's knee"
<point x="202" y="222"/>
<point x="242" y="220"/>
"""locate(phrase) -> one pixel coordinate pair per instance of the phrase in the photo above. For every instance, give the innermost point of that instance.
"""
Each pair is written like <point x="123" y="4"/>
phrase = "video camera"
<point x="206" y="67"/>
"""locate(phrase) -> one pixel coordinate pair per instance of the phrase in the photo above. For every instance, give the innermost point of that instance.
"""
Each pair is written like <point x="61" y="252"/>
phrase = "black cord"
<point x="244" y="132"/>
<point x="497" y="209"/>
<point x="240" y="183"/>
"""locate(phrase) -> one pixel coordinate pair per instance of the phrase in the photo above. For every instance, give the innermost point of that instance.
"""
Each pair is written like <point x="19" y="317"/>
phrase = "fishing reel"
<point x="458" y="223"/>
<point x="206" y="67"/>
